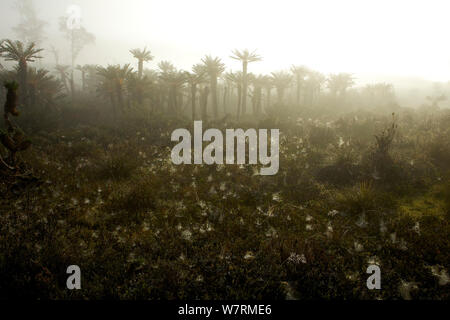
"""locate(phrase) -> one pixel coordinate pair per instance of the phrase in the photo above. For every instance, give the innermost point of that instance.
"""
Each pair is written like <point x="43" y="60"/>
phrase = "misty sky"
<point x="395" y="37"/>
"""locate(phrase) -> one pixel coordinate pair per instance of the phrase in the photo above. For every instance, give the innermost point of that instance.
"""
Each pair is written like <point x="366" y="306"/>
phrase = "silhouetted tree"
<point x="194" y="79"/>
<point x="17" y="51"/>
<point x="315" y="83"/>
<point x="173" y="81"/>
<point x="204" y="102"/>
<point x="214" y="68"/>
<point x="281" y="81"/>
<point x="246" y="57"/>
<point x="78" y="38"/>
<point x="83" y="70"/>
<point x="106" y="86"/>
<point x="236" y="78"/>
<point x="138" y="87"/>
<point x="63" y="71"/>
<point x="44" y="88"/>
<point x="258" y="83"/>
<point x="13" y="139"/>
<point x="113" y="82"/>
<point x="121" y="73"/>
<point x="300" y="73"/>
<point x="267" y="85"/>
<point x="30" y="28"/>
<point x="339" y="83"/>
<point x="142" y="56"/>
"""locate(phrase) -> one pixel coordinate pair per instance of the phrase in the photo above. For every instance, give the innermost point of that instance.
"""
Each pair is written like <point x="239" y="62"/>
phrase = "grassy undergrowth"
<point x="140" y="227"/>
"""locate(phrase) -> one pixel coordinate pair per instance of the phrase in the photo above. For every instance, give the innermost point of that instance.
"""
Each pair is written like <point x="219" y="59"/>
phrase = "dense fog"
<point x="225" y="150"/>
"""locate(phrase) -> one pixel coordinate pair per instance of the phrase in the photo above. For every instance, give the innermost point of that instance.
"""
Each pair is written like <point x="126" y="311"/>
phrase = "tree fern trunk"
<point x="268" y="97"/>
<point x="83" y="79"/>
<point x="280" y="95"/>
<point x="193" y="94"/>
<point x="23" y="71"/>
<point x="258" y="100"/>
<point x="225" y="93"/>
<point x="214" y="97"/>
<point x="244" y="87"/>
<point x="140" y="68"/>
<point x="204" y="103"/>
<point x="239" y="89"/>
<point x="120" y="97"/>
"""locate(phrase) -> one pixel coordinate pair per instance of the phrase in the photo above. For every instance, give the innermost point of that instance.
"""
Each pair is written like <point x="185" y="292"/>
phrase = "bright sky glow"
<point x="395" y="37"/>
